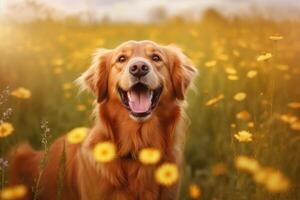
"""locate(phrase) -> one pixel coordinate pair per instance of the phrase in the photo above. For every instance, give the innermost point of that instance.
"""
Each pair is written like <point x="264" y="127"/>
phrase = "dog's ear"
<point x="181" y="69"/>
<point x="95" y="78"/>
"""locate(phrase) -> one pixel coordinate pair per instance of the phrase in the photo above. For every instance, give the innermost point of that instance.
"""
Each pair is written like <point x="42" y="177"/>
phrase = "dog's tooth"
<point x="151" y="94"/>
<point x="129" y="95"/>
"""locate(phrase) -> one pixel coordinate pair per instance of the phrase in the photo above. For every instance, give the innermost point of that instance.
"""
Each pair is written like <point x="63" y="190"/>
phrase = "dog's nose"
<point x="139" y="69"/>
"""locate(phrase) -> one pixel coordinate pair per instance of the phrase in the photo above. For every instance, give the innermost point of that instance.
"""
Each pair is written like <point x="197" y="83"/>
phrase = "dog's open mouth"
<point x="140" y="100"/>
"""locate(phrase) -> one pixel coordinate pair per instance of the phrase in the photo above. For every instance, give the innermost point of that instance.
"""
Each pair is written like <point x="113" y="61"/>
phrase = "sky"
<point x="138" y="10"/>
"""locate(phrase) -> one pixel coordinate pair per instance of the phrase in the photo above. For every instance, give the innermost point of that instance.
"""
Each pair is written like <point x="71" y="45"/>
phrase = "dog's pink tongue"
<point x="139" y="102"/>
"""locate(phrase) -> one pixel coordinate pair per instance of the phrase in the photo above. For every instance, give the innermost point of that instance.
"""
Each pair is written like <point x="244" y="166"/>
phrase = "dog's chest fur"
<point x="126" y="179"/>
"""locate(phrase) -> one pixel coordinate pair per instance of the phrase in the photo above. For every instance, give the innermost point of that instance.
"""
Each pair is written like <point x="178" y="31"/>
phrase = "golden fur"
<point x="120" y="179"/>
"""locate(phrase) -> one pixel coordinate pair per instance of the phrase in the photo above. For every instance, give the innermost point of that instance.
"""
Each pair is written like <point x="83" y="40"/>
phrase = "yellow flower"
<point x="282" y="67"/>
<point x="230" y="70"/>
<point x="243" y="115"/>
<point x="233" y="77"/>
<point x="295" y="125"/>
<point x="13" y="192"/>
<point x="81" y="107"/>
<point x="77" y="135"/>
<point x="244" y="136"/>
<point x="275" y="37"/>
<point x="67" y="86"/>
<point x="250" y="124"/>
<point x="104" y="152"/>
<point x="167" y="174"/>
<point x="233" y="125"/>
<point x="294" y="105"/>
<point x="215" y="100"/>
<point x="240" y="96"/>
<point x="236" y="53"/>
<point x="277" y="182"/>
<point x="21" y="93"/>
<point x="210" y="63"/>
<point x="149" y="156"/>
<point x="251" y="73"/>
<point x="288" y="118"/>
<point x="247" y="164"/>
<point x="261" y="175"/>
<point x="194" y="191"/>
<point x="272" y="179"/>
<point x="6" y="129"/>
<point x="264" y="57"/>
<point x="58" y="61"/>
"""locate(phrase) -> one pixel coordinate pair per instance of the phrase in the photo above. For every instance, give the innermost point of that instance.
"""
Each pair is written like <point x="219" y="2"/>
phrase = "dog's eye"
<point x="121" y="58"/>
<point x="156" y="58"/>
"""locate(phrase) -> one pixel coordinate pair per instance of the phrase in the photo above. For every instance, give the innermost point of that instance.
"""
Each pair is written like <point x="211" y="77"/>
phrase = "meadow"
<point x="244" y="133"/>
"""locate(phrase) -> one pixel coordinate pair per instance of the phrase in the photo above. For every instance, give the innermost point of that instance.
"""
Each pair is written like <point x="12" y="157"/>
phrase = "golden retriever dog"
<point x="140" y="90"/>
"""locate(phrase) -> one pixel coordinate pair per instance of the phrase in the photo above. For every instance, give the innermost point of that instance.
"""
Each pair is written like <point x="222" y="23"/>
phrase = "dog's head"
<point x="140" y="75"/>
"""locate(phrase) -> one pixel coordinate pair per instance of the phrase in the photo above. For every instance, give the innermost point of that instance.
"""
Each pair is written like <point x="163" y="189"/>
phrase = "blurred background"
<point x="243" y="140"/>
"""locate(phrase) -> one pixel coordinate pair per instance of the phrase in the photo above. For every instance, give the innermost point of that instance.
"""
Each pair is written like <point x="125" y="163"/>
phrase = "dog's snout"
<point x="139" y="69"/>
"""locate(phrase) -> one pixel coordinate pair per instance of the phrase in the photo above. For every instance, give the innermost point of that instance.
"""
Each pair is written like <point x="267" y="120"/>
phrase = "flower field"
<point x="243" y="140"/>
